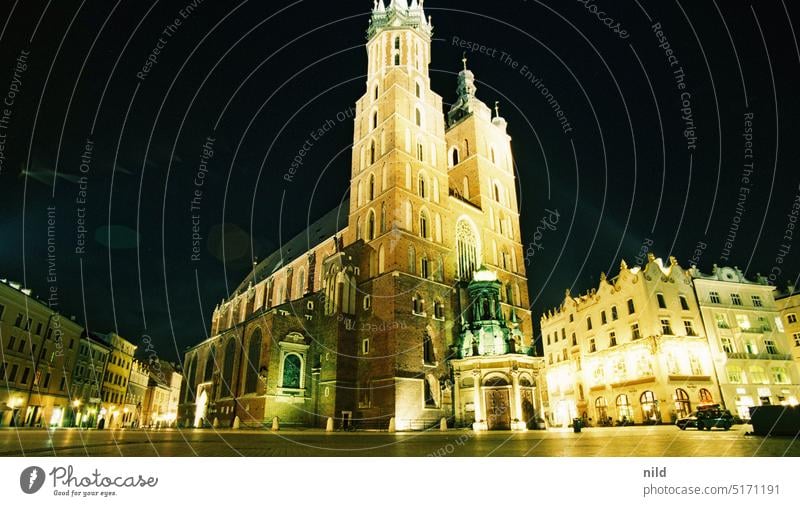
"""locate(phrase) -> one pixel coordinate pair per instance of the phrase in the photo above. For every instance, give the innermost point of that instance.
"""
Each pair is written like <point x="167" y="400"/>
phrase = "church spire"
<point x="464" y="104"/>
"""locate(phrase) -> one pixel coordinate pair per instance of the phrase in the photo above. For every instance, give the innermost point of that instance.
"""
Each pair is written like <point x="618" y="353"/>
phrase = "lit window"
<point x="365" y="347"/>
<point x="736" y="300"/>
<point x="418" y="304"/>
<point x="666" y="328"/>
<point x="742" y="321"/>
<point x="779" y="375"/>
<point x="661" y="302"/>
<point x="438" y="310"/>
<point x="714" y="296"/>
<point x="727" y="345"/>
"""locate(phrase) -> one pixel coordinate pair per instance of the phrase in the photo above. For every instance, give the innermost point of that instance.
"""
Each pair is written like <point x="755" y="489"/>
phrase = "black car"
<point x="707" y="419"/>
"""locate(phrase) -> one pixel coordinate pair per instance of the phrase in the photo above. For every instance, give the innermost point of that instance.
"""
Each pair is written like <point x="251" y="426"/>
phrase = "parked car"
<point x="707" y="419"/>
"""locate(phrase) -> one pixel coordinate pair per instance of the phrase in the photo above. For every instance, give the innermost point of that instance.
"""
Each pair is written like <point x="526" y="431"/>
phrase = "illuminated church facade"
<point x="405" y="306"/>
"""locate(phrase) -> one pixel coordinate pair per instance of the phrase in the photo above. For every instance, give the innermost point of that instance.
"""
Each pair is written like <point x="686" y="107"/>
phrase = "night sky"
<point x="676" y="136"/>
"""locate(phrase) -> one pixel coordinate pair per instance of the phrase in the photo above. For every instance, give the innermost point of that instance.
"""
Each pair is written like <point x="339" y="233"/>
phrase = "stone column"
<point x="458" y="409"/>
<point x="480" y="410"/>
<point x="516" y="401"/>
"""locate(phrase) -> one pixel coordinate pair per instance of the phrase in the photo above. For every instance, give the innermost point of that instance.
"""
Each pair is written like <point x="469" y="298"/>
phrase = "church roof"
<point x="315" y="234"/>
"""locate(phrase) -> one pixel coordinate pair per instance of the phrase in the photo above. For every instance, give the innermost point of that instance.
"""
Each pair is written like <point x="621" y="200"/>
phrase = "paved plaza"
<point x="653" y="441"/>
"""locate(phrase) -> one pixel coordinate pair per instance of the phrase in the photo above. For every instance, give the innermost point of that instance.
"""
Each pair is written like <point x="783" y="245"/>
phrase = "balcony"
<point x="759" y="356"/>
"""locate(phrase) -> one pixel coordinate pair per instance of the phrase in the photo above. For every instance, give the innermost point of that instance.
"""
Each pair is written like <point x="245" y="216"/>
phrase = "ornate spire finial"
<point x="497" y="108"/>
<point x="464" y="60"/>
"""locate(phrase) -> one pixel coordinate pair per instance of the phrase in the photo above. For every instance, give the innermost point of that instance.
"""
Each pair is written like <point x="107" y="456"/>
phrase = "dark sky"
<point x="258" y="76"/>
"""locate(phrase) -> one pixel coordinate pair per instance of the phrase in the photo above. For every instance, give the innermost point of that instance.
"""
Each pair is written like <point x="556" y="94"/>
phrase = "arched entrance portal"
<point x="498" y="407"/>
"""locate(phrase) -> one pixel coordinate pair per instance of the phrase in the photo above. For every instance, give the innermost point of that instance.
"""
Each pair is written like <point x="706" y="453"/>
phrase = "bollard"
<point x="216" y="422"/>
<point x="329" y="425"/>
<point x="443" y="424"/>
<point x="275" y="424"/>
<point x="236" y="423"/>
<point x="391" y="425"/>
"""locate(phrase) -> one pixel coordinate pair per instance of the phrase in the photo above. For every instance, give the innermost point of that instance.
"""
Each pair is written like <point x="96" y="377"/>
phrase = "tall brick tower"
<point x="433" y="200"/>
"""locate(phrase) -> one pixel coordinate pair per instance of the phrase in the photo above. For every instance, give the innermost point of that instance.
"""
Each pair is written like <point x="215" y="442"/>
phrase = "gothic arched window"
<point x="210" y="364"/>
<point x="418" y="117"/>
<point x="301" y="282"/>
<point x="467" y="249"/>
<point x="421" y="185"/>
<point x="375" y="120"/>
<point x="419" y="91"/>
<point x="454" y="157"/>
<point x="371" y="188"/>
<point x="227" y="368"/>
<point x="427" y="349"/>
<point x="253" y="363"/>
<point x="423" y="266"/>
<point x="418" y="304"/>
<point x="372" y="153"/>
<point x="423" y="224"/>
<point x="371" y="225"/>
<point x="383" y="217"/>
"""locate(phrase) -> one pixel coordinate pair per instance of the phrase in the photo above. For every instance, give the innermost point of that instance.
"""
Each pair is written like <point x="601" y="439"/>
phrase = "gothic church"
<point x="410" y="305"/>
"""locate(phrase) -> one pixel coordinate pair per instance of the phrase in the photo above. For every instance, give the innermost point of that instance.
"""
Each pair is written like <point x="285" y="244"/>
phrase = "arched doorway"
<point x="682" y="405"/>
<point x="498" y="413"/>
<point x="650" y="411"/>
<point x="624" y="410"/>
<point x="601" y="410"/>
<point x="705" y="396"/>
